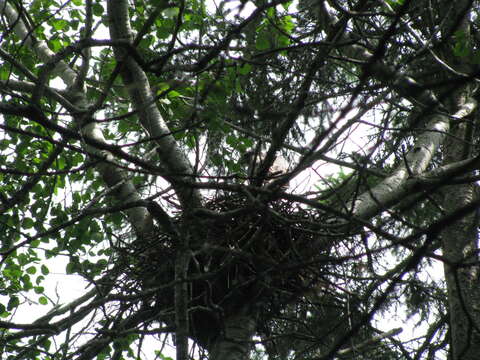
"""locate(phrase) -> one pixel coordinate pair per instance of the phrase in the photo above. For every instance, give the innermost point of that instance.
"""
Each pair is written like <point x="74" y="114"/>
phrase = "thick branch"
<point x="394" y="188"/>
<point x="136" y="81"/>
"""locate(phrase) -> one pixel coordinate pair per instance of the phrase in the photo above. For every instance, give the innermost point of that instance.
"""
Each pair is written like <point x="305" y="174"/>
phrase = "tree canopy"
<point x="245" y="180"/>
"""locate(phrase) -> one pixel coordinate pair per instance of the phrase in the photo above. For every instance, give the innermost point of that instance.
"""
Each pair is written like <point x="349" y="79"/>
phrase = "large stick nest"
<point x="263" y="255"/>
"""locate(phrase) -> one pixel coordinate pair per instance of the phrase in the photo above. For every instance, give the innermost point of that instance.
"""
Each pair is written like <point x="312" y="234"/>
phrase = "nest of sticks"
<point x="263" y="255"/>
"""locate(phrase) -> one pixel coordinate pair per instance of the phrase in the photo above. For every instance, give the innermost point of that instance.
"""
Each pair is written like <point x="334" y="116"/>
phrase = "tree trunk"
<point x="235" y="343"/>
<point x="460" y="247"/>
<point x="459" y="243"/>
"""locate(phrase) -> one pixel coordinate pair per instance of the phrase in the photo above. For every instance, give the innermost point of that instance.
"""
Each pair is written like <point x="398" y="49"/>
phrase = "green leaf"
<point x="74" y="24"/>
<point x="59" y="24"/>
<point x="162" y="87"/>
<point x="13" y="303"/>
<point x="287" y="24"/>
<point x="231" y="140"/>
<point x="462" y="46"/>
<point x="23" y="259"/>
<point x="262" y="42"/>
<point x="4" y="73"/>
<point x="395" y="3"/>
<point x="27" y="284"/>
<point x="161" y="356"/>
<point x="173" y="94"/>
<point x="70" y="268"/>
<point x="28" y="223"/>
<point x="55" y="44"/>
<point x="171" y="12"/>
<point x="31" y="270"/>
<point x="286" y="5"/>
<point x="46" y="344"/>
<point x="102" y="263"/>
<point x="245" y="69"/>
<point x="43" y="300"/>
<point x="44" y="270"/>
<point x="61" y="163"/>
<point x="98" y="9"/>
<point x="190" y="141"/>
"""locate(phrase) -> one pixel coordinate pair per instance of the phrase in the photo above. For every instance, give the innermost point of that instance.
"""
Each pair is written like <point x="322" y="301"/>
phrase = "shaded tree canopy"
<point x="245" y="180"/>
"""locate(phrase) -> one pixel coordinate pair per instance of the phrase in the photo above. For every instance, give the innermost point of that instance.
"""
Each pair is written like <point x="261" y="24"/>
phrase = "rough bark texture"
<point x="236" y="342"/>
<point x="460" y="247"/>
<point x="177" y="167"/>
<point x="460" y="239"/>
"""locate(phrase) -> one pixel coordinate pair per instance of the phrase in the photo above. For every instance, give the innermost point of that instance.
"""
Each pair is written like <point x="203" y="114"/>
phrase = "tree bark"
<point x="460" y="247"/>
<point x="235" y="343"/>
<point x="178" y="169"/>
<point x="460" y="239"/>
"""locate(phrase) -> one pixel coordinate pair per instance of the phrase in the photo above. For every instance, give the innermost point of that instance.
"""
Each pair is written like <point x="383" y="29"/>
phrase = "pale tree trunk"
<point x="460" y="239"/>
<point x="459" y="243"/>
<point x="172" y="159"/>
<point x="236" y="341"/>
<point x="460" y="248"/>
